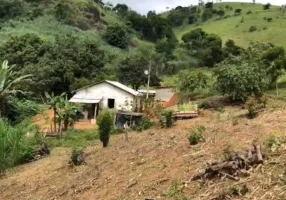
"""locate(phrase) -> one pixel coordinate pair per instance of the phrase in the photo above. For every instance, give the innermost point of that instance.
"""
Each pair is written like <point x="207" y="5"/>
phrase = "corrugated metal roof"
<point x="123" y="87"/>
<point x="145" y="91"/>
<point x="85" y="99"/>
<point x="116" y="84"/>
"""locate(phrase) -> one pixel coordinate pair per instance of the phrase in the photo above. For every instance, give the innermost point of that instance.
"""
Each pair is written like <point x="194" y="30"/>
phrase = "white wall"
<point x="108" y="91"/>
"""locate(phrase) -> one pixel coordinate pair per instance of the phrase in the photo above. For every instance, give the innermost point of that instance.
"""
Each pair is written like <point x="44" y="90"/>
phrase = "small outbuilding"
<point x="106" y="94"/>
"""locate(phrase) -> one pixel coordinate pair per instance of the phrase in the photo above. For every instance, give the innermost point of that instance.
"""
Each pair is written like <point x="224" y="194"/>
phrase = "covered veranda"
<point x="91" y="107"/>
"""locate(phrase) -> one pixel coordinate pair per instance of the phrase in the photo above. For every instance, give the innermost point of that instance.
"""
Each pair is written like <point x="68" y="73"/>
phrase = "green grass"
<point x="232" y="28"/>
<point x="74" y="139"/>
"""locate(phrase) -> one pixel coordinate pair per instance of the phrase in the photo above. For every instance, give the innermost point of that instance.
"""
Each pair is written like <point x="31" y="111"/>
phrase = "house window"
<point x="111" y="103"/>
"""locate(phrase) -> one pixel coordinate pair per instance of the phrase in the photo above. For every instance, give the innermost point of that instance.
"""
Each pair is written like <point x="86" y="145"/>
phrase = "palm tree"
<point x="7" y="82"/>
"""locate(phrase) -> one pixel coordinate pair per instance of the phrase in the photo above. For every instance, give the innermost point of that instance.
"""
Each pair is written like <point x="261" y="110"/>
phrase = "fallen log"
<point x="236" y="164"/>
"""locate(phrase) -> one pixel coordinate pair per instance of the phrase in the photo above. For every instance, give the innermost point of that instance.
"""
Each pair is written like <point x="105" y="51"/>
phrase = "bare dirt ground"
<point x="154" y="160"/>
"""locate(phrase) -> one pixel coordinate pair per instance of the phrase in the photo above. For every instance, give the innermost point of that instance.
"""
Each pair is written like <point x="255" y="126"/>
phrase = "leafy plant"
<point x="196" y="135"/>
<point x="67" y="112"/>
<point x="272" y="142"/>
<point x="174" y="190"/>
<point x="169" y="118"/>
<point x="77" y="157"/>
<point x="254" y="105"/>
<point x="15" y="146"/>
<point x="105" y="124"/>
<point x="7" y="81"/>
<point x="145" y="124"/>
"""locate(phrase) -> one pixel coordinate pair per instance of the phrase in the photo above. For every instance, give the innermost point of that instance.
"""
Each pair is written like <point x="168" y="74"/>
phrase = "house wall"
<point x="108" y="91"/>
<point x="164" y="94"/>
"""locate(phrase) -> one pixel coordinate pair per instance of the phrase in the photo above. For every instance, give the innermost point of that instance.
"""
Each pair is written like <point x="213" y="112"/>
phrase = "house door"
<point x="111" y="103"/>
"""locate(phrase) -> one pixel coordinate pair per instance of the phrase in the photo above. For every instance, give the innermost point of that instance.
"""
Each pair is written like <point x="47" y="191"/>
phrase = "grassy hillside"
<point x="89" y="22"/>
<point x="237" y="27"/>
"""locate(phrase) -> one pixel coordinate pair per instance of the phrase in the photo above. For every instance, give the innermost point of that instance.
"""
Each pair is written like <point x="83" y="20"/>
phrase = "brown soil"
<point x="147" y="166"/>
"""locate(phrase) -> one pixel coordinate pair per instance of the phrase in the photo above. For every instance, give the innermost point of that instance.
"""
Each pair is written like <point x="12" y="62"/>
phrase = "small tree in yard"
<point x="190" y="81"/>
<point x="105" y="126"/>
<point x="169" y="118"/>
<point x="240" y="79"/>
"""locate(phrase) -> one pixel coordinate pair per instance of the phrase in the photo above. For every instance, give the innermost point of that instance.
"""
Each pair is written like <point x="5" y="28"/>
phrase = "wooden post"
<point x="149" y="76"/>
<point x="95" y="111"/>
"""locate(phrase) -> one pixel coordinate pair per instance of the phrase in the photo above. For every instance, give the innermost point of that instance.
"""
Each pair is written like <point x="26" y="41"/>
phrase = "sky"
<point x="143" y="6"/>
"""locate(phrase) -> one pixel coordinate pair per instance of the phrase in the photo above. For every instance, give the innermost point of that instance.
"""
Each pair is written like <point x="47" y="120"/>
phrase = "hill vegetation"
<point x="208" y="52"/>
<point x="229" y="24"/>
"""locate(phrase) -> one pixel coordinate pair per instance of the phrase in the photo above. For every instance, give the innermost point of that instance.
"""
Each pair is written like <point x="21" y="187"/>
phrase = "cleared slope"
<point x="154" y="160"/>
<point x="237" y="27"/>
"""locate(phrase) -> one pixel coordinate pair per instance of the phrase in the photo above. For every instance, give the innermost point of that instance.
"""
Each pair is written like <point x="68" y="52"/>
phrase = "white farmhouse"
<point x="106" y="94"/>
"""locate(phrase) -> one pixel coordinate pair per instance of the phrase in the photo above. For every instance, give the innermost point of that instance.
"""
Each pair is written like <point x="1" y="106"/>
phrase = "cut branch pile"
<point x="235" y="165"/>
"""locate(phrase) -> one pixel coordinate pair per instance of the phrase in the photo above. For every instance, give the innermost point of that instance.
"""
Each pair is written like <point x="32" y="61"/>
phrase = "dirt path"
<point x="144" y="167"/>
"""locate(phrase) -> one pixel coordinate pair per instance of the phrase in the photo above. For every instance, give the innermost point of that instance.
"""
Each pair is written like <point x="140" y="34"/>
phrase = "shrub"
<point x="249" y="12"/>
<point x="252" y="29"/>
<point x="237" y="11"/>
<point x="169" y="118"/>
<point x="77" y="157"/>
<point x="266" y="6"/>
<point x="254" y="105"/>
<point x="190" y="81"/>
<point x="15" y="147"/>
<point x="105" y="123"/>
<point x="116" y="35"/>
<point x="145" y="124"/>
<point x="269" y="19"/>
<point x="196" y="135"/>
<point x="205" y="105"/>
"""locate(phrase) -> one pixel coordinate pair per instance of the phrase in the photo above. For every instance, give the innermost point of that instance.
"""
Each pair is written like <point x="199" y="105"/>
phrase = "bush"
<point x="249" y="12"/>
<point x="205" y="105"/>
<point x="169" y="118"/>
<point x="145" y="124"/>
<point x="18" y="110"/>
<point x="252" y="29"/>
<point x="77" y="157"/>
<point x="105" y="124"/>
<point x="15" y="147"/>
<point x="266" y="6"/>
<point x="116" y="35"/>
<point x="196" y="135"/>
<point x="269" y="19"/>
<point x="254" y="105"/>
<point x="190" y="81"/>
<point x="237" y="11"/>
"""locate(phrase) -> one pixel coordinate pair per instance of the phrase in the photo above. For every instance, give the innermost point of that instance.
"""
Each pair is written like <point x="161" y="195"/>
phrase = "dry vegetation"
<point x="159" y="163"/>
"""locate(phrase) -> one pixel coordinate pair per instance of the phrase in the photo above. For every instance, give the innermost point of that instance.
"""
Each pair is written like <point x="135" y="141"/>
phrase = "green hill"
<point x="237" y="27"/>
<point x="80" y="18"/>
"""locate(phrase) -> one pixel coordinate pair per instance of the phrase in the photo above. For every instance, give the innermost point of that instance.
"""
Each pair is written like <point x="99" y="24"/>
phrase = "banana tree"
<point x="54" y="102"/>
<point x="67" y="113"/>
<point x="7" y="82"/>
